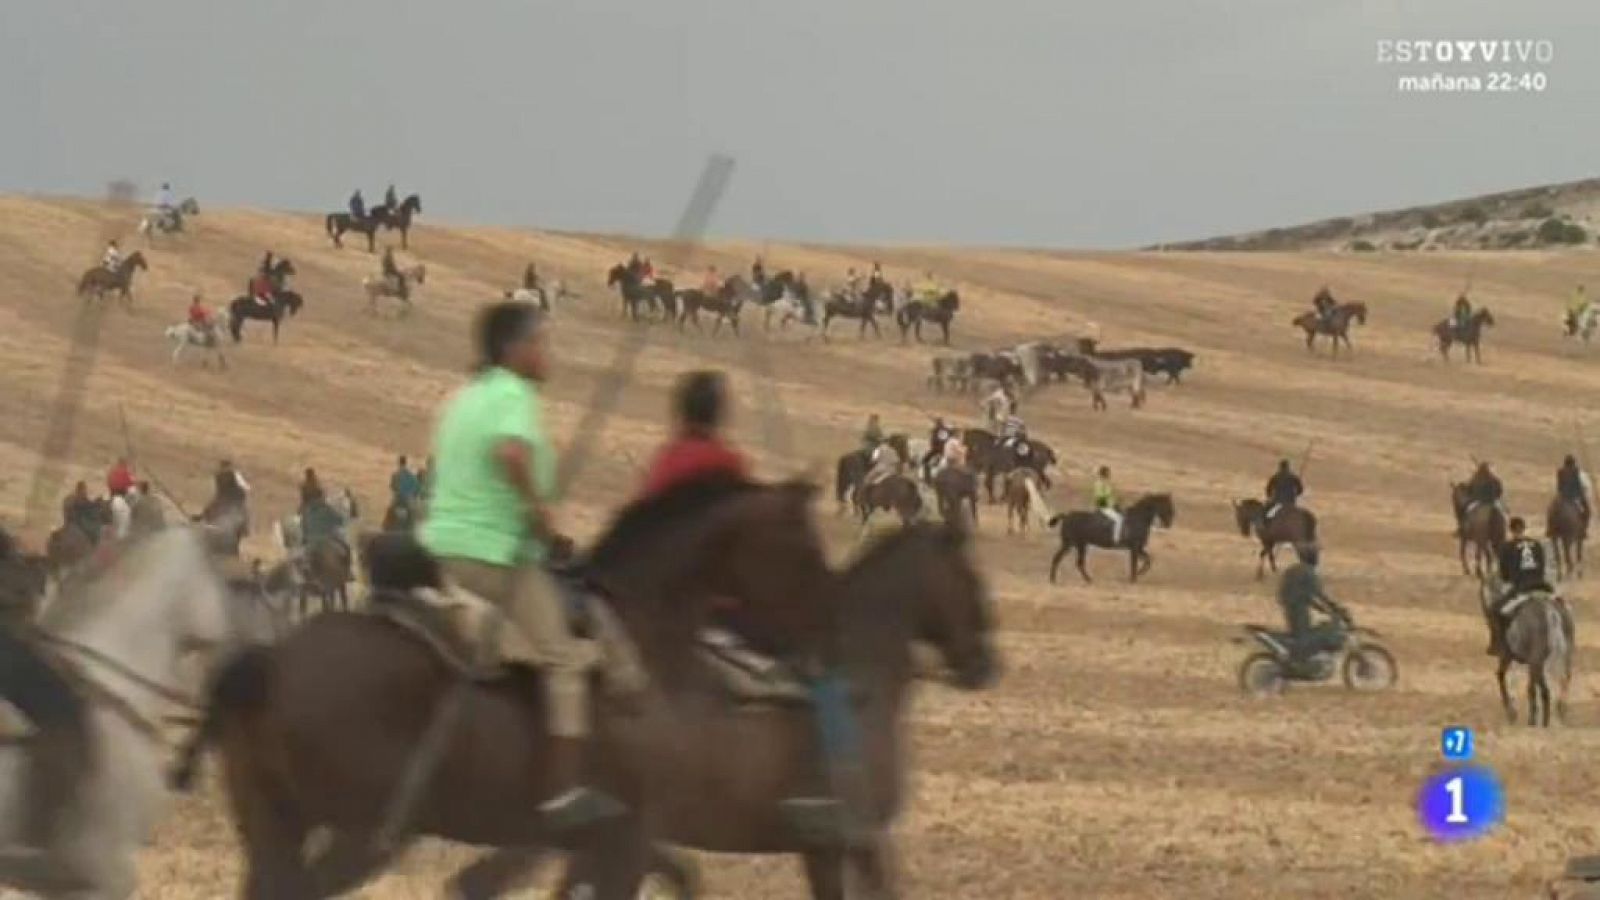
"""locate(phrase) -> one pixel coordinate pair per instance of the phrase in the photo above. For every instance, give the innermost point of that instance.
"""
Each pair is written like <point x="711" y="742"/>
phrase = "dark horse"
<point x="99" y="281"/>
<point x="873" y="300"/>
<point x="1084" y="529"/>
<point x="1294" y="525"/>
<point x="1469" y="337"/>
<point x="1566" y="525"/>
<point x="1482" y="525"/>
<point x="989" y="455"/>
<point x="852" y="467"/>
<point x="940" y="312"/>
<point x="957" y="491"/>
<point x="897" y="494"/>
<point x="725" y="304"/>
<point x="284" y="302"/>
<point x="1336" y="326"/>
<point x="659" y="295"/>
<point x="915" y="585"/>
<point x="302" y="752"/>
<point x="399" y="218"/>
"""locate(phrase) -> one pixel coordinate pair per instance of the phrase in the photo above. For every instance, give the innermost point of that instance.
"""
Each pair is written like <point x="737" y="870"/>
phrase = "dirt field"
<point x="1116" y="758"/>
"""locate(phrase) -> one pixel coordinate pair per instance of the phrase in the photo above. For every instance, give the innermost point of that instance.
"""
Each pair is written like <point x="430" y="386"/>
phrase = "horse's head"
<point x="1484" y="318"/>
<point x="412" y="204"/>
<point x="283" y="267"/>
<point x="925" y="572"/>
<point x="618" y="274"/>
<point x="135" y="260"/>
<point x="1246" y="513"/>
<point x="189" y="207"/>
<point x="950" y="302"/>
<point x="1357" y="311"/>
<point x="1159" y="507"/>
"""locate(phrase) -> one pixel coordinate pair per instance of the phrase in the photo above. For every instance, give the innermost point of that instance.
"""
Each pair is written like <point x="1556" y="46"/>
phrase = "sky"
<point x="1053" y="124"/>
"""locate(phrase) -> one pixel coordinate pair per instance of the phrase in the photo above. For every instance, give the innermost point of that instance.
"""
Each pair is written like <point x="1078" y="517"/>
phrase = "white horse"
<point x="378" y="286"/>
<point x="126" y="631"/>
<point x="547" y="298"/>
<point x="787" y="308"/>
<point x="158" y="221"/>
<point x="208" y="338"/>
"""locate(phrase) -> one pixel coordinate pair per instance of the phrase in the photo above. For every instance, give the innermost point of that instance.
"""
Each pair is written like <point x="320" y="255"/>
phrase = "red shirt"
<point x="119" y="479"/>
<point x="690" y="457"/>
<point x="198" y="314"/>
<point x="262" y="286"/>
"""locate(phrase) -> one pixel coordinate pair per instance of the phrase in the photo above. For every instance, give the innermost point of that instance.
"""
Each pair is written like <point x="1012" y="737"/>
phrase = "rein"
<point x="111" y="699"/>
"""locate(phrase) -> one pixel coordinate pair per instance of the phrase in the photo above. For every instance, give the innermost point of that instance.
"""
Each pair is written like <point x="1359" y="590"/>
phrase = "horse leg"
<point x="1261" y="561"/>
<point x="275" y="320"/>
<point x="875" y="866"/>
<point x="372" y="241"/>
<point x="1461" y="549"/>
<point x="1083" y="551"/>
<point x="1055" y="561"/>
<point x="825" y="874"/>
<point x="1505" y="695"/>
<point x="1535" y="677"/>
<point x="272" y="836"/>
<point x="495" y="873"/>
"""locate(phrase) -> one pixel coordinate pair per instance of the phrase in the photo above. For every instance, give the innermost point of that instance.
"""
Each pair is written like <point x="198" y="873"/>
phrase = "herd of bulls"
<point x="1037" y="363"/>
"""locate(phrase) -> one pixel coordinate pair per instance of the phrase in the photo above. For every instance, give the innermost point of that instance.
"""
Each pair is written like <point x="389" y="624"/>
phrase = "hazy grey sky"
<point x="1038" y="122"/>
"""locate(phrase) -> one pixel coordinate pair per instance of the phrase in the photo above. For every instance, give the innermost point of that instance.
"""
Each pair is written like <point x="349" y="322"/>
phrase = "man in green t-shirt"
<point x="489" y="524"/>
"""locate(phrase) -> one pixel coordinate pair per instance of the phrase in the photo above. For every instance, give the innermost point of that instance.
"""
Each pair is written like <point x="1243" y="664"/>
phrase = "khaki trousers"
<point x="530" y="598"/>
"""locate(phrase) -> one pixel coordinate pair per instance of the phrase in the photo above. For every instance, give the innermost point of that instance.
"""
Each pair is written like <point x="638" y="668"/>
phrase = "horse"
<point x="994" y="458"/>
<point x="167" y="221"/>
<point x="1336" y="326"/>
<point x="1470" y="336"/>
<point x="99" y="281"/>
<point x="1291" y="525"/>
<point x="955" y="488"/>
<point x="123" y="634"/>
<point x="1022" y="498"/>
<point x="207" y="337"/>
<point x="1542" y="636"/>
<point x="72" y="544"/>
<point x="545" y="297"/>
<point x="658" y="295"/>
<point x="725" y="304"/>
<point x="342" y="748"/>
<point x="1581" y="323"/>
<point x="852" y="467"/>
<point x="248" y="308"/>
<point x="941" y="311"/>
<point x="1084" y="529"/>
<point x="838" y="306"/>
<point x="400" y="516"/>
<point x="1566" y="525"/>
<point x="278" y="275"/>
<point x="376" y="286"/>
<point x="398" y="219"/>
<point x="896" y="493"/>
<point x="338" y="223"/>
<point x="915" y="585"/>
<point x="952" y="372"/>
<point x="1481" y="525"/>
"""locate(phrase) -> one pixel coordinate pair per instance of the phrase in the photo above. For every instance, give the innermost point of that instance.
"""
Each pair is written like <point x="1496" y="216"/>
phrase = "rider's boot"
<point x="837" y="817"/>
<point x="572" y="805"/>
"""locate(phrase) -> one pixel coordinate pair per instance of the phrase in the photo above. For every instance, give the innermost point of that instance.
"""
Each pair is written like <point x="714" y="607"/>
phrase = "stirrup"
<point x="580" y="807"/>
<point x="825" y="822"/>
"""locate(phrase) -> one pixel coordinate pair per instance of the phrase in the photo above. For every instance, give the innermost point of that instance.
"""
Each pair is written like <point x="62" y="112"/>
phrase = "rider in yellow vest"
<point x="1105" y="501"/>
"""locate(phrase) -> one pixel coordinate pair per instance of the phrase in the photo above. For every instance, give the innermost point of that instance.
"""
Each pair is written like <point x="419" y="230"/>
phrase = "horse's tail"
<point x="330" y="222"/>
<point x="242" y="687"/>
<point x="1056" y="520"/>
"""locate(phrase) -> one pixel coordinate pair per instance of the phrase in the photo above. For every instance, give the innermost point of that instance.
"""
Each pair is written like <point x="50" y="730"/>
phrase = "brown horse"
<point x="1021" y="486"/>
<point x="1470" y="337"/>
<point x="915" y="585"/>
<point x="1336" y="326"/>
<point x="853" y="467"/>
<point x="725" y="305"/>
<point x="1482" y="526"/>
<point x="99" y="281"/>
<point x="1566" y="525"/>
<point x="1084" y="529"/>
<point x="303" y="751"/>
<point x="1294" y="525"/>
<point x="897" y="494"/>
<point x="659" y="295"/>
<point x="957" y="492"/>
<point x="327" y="575"/>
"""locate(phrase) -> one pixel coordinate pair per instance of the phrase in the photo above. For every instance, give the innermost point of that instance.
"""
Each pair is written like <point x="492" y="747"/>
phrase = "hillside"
<point x="1549" y="216"/>
<point x="1116" y="758"/>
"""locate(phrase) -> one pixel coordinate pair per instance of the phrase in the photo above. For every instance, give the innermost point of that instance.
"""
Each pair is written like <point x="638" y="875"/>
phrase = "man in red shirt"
<point x="697" y="450"/>
<point x="120" y="479"/>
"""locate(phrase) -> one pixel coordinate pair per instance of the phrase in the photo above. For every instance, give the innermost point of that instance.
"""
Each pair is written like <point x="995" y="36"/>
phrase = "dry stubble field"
<point x="1116" y="758"/>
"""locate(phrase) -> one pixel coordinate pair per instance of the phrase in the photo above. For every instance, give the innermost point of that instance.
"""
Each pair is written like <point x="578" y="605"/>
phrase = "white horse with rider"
<point x="207" y="337"/>
<point x="128" y="635"/>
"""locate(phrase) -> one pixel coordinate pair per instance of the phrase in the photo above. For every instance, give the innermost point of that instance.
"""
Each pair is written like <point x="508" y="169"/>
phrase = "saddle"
<point x="473" y="637"/>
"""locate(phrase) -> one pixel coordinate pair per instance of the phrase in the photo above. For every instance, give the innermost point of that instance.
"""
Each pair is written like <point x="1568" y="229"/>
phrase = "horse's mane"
<point x="645" y="517"/>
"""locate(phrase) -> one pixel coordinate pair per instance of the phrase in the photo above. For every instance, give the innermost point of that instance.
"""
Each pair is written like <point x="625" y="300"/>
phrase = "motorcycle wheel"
<point x="1370" y="668"/>
<point x="1261" y="675"/>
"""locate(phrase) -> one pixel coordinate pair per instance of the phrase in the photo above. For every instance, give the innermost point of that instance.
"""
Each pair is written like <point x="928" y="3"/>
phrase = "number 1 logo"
<point x="1460" y="804"/>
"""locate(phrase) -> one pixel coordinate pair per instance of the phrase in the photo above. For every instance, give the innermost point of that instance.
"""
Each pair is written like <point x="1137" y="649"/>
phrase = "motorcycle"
<point x="1362" y="662"/>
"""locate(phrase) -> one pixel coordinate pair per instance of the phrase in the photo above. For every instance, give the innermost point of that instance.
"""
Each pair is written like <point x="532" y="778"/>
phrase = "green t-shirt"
<point x="475" y="513"/>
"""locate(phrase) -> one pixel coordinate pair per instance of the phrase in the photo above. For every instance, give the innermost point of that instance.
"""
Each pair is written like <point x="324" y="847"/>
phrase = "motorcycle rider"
<point x="1300" y="591"/>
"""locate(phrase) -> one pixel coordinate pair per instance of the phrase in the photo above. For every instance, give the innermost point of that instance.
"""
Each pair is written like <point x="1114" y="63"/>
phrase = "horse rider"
<point x="199" y="317"/>
<point x="262" y="289"/>
<point x="122" y="513"/>
<point x="1324" y="304"/>
<point x="490" y="524"/>
<point x="1104" y="497"/>
<point x="885" y="464"/>
<point x="530" y="278"/>
<point x="1014" y="434"/>
<point x="120" y="477"/>
<point x="758" y="273"/>
<point x="319" y="522"/>
<point x="940" y="435"/>
<point x="57" y="757"/>
<point x="390" y="201"/>
<point x="112" y="258"/>
<point x="876" y="276"/>
<point x="358" y="206"/>
<point x="405" y="488"/>
<point x="928" y="287"/>
<point x="647" y="272"/>
<point x="1572" y="486"/>
<point x="1521" y="572"/>
<point x="78" y="511"/>
<point x="1461" y="314"/>
<point x="872" y="435"/>
<point x="148" y="516"/>
<point x="310" y="490"/>
<point x="392" y="273"/>
<point x="1300" y="592"/>
<point x="1484" y="488"/>
<point x="268" y="262"/>
<point x="997" y="406"/>
<point x="166" y="206"/>
<point x="711" y="284"/>
<point x="852" y="284"/>
<point x="1577" y="309"/>
<point x="954" y="454"/>
<point x="1283" y="489"/>
<point x="231" y="491"/>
